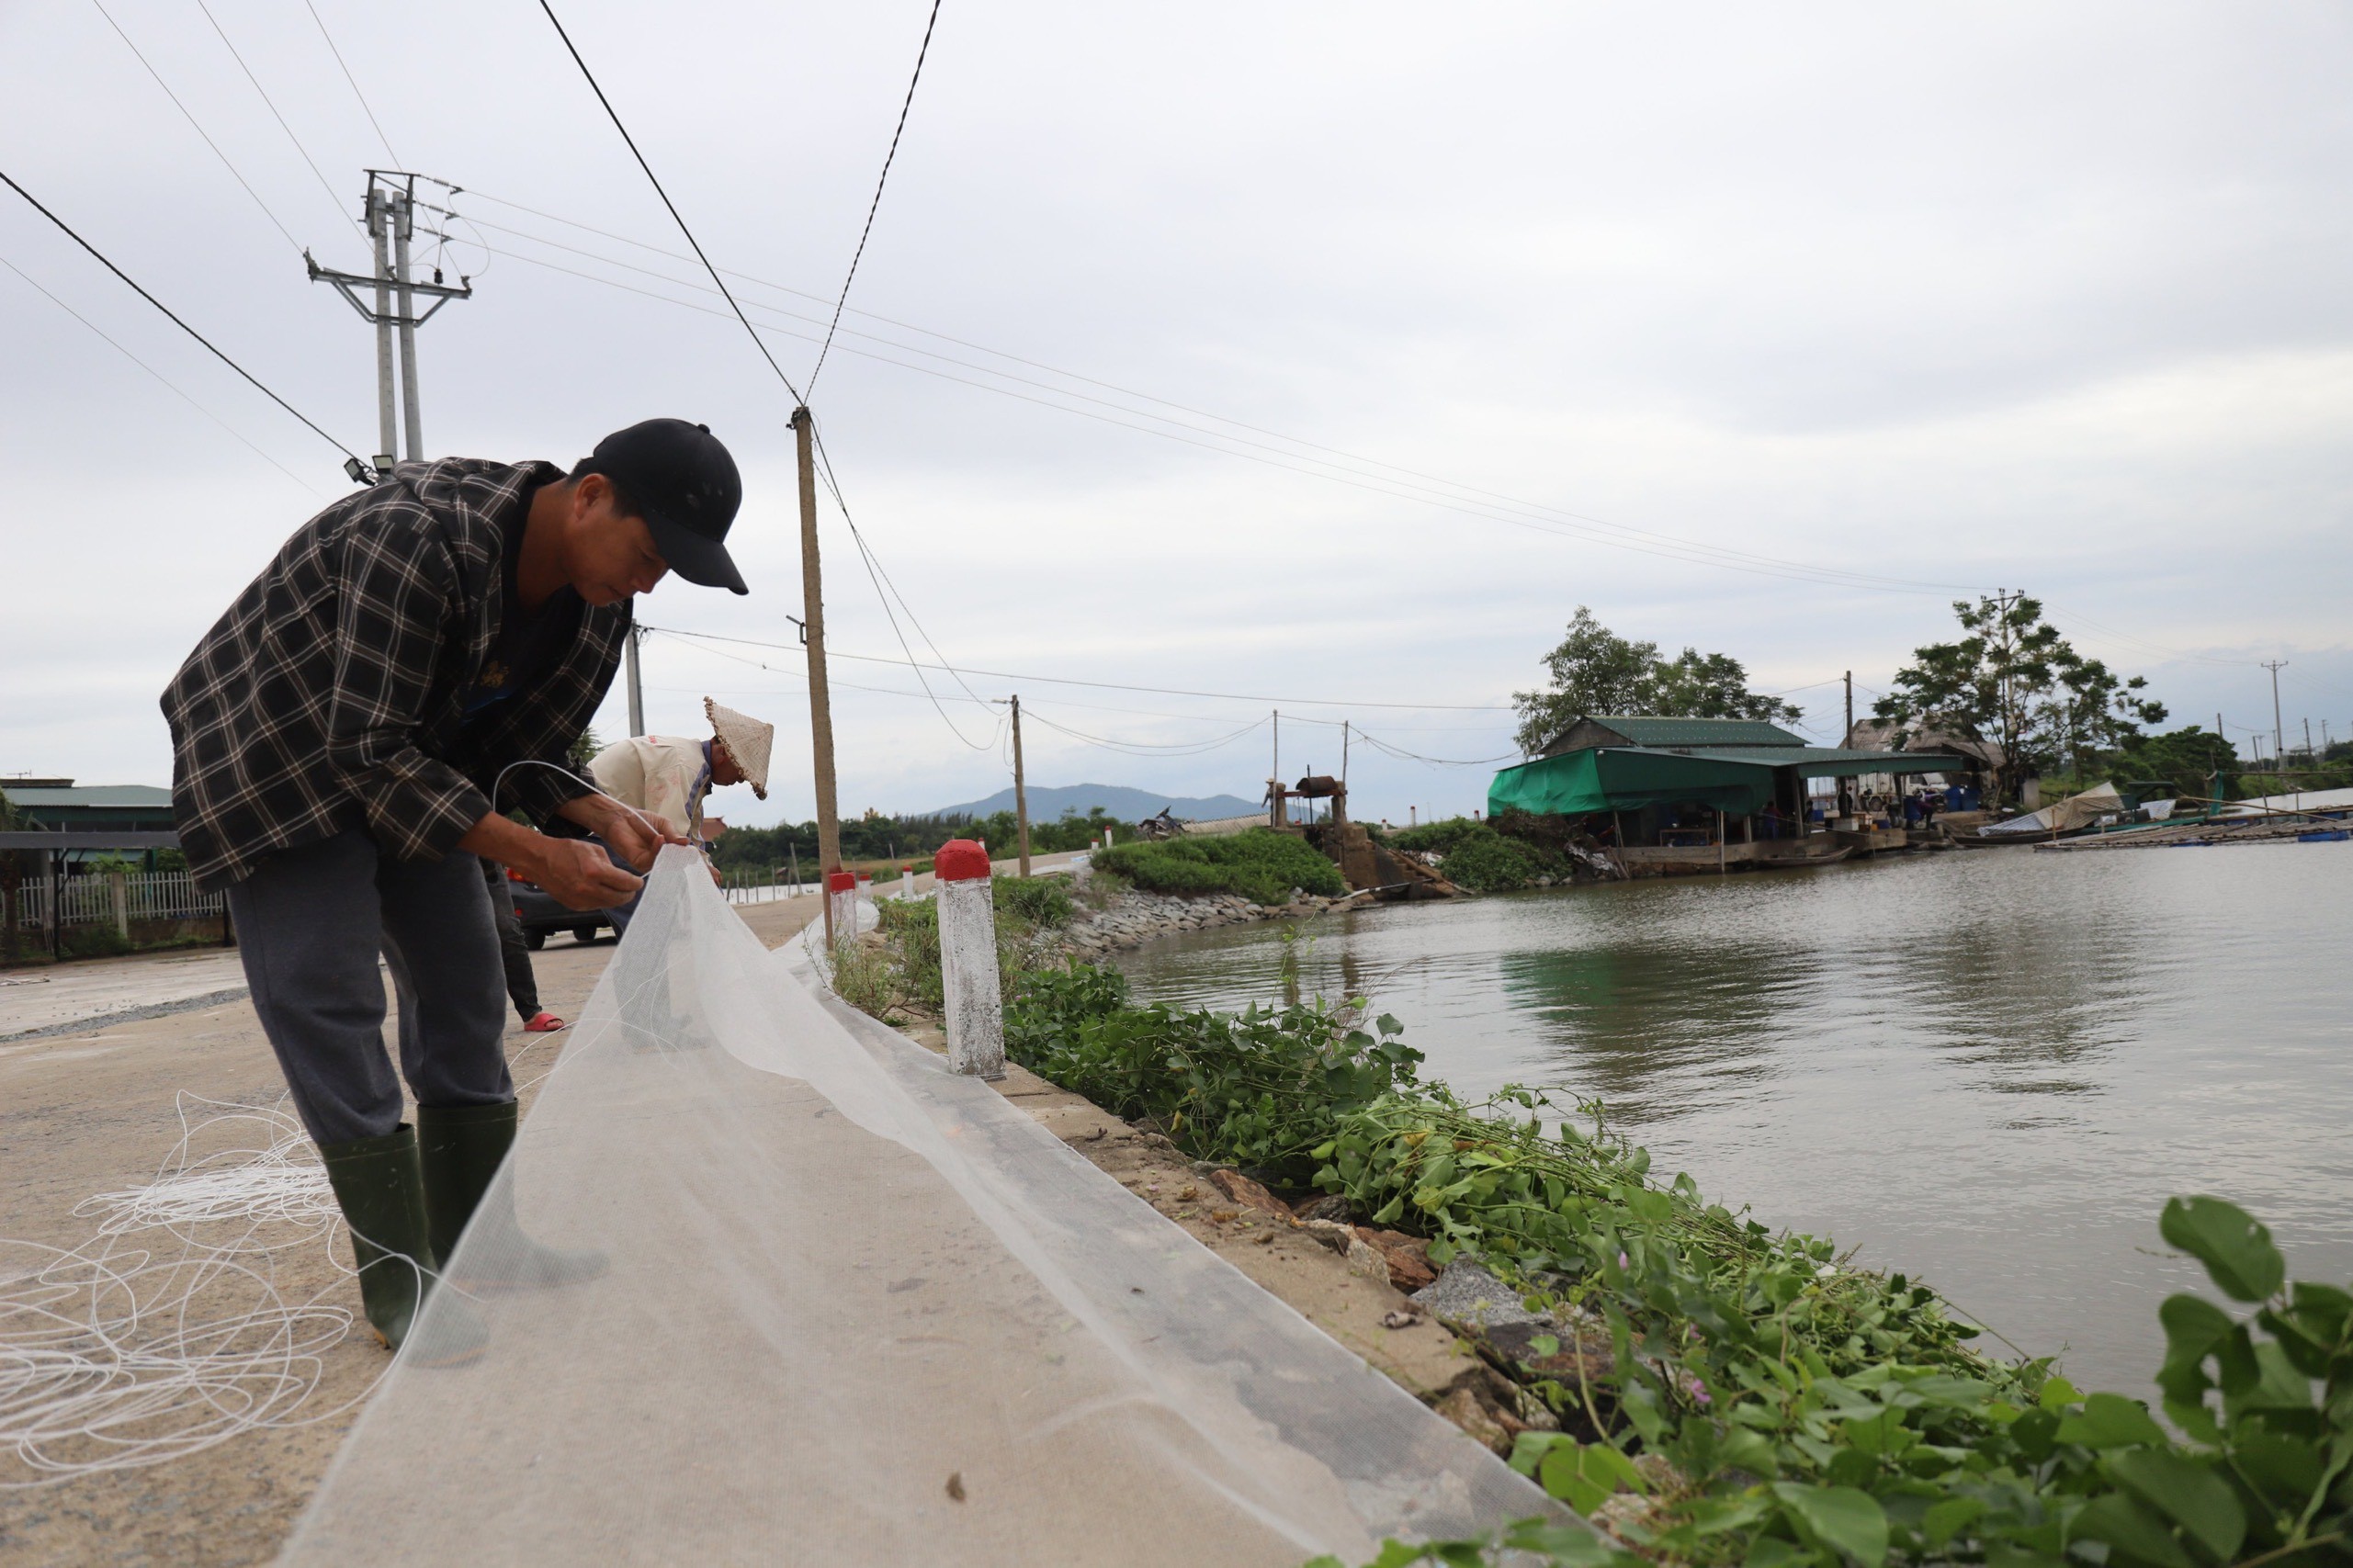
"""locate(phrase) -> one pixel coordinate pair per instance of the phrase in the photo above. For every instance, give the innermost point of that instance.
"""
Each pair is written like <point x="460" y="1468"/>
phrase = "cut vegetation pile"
<point x="1261" y="865"/>
<point x="1501" y="858"/>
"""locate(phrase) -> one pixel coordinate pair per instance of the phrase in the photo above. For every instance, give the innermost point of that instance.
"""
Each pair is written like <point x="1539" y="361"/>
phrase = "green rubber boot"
<point x="379" y="1183"/>
<point x="380" y="1187"/>
<point x="463" y="1147"/>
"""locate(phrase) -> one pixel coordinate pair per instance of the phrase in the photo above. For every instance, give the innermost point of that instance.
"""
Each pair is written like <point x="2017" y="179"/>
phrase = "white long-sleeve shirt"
<point x="664" y="777"/>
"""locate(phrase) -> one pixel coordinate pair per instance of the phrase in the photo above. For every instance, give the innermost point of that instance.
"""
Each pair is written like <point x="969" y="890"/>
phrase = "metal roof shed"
<point x="1593" y="730"/>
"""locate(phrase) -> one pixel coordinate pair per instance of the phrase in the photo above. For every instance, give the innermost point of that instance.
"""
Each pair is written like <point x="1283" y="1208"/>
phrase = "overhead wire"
<point x="1398" y="751"/>
<point x="159" y="376"/>
<point x="875" y="206"/>
<point x="176" y="319"/>
<point x="758" y="342"/>
<point x="354" y="82"/>
<point x="272" y="107"/>
<point x="197" y="127"/>
<point x="1666" y="547"/>
<point x="1714" y="554"/>
<point x="834" y="487"/>
<point x="1123" y="686"/>
<point x="1147" y="748"/>
<point x="1544" y="518"/>
<point x="655" y="181"/>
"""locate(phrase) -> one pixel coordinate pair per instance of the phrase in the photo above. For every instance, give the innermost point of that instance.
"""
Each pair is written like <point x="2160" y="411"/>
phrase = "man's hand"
<point x="576" y="874"/>
<point x="636" y="836"/>
<point x="579" y="875"/>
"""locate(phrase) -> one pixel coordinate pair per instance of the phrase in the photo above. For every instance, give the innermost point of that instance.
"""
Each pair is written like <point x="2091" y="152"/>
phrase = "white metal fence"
<point x="738" y="889"/>
<point x="90" y="900"/>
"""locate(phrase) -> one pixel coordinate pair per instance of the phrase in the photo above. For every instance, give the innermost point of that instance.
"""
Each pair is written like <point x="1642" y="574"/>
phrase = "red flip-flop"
<point x="543" y="1024"/>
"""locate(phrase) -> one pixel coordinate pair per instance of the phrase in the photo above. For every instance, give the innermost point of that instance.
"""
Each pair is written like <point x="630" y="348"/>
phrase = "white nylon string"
<point x="167" y="1332"/>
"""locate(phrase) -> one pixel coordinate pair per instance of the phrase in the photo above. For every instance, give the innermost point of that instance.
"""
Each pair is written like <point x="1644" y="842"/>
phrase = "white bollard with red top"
<point x="968" y="960"/>
<point x="841" y="905"/>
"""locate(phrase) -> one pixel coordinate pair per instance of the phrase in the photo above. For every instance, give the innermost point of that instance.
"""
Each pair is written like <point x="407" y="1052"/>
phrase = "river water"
<point x="1986" y="1069"/>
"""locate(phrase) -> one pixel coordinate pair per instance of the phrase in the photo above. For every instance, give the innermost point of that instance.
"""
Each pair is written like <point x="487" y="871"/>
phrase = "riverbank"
<point x="1129" y="918"/>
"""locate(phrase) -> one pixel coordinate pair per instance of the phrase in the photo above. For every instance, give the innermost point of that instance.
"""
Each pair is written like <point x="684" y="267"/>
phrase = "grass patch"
<point x="1261" y="865"/>
<point x="896" y="969"/>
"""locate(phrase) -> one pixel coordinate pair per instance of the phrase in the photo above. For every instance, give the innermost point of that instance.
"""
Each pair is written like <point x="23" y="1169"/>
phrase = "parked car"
<point x="540" y="913"/>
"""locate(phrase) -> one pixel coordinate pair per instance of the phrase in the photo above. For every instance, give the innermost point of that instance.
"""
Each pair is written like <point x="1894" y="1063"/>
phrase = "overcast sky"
<point x="1898" y="303"/>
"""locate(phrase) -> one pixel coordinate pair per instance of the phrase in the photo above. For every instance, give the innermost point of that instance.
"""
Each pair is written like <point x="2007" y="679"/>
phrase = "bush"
<point x="1041" y="901"/>
<point x="1261" y="865"/>
<point x="1436" y="838"/>
<point x="1485" y="861"/>
<point x="1259" y="1088"/>
<point x="903" y="972"/>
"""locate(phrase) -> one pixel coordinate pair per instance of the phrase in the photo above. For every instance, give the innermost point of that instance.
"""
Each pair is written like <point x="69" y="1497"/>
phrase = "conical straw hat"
<point x="746" y="739"/>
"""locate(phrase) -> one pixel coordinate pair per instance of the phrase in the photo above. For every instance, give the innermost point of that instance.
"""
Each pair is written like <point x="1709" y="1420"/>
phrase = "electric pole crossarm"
<point x="345" y="281"/>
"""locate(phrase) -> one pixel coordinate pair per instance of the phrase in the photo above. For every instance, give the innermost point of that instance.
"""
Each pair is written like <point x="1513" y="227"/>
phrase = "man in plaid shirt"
<point x="415" y="662"/>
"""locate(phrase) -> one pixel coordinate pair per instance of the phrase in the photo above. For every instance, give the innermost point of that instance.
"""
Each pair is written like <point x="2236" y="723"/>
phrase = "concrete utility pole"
<point x="1021" y="789"/>
<point x="390" y="206"/>
<point x="1847" y="739"/>
<point x="379" y="222"/>
<point x="637" y="691"/>
<point x="2278" y="730"/>
<point x="403" y="219"/>
<point x="821" y="703"/>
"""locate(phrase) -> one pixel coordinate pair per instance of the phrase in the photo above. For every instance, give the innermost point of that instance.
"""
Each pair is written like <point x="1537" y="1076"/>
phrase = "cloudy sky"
<point x="1313" y="357"/>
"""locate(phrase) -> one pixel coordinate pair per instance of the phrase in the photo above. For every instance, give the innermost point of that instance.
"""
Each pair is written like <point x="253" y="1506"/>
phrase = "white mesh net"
<point x="859" y="1310"/>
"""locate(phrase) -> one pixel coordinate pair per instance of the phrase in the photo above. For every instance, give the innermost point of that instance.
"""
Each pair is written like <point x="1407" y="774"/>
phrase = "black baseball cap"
<point x="683" y="483"/>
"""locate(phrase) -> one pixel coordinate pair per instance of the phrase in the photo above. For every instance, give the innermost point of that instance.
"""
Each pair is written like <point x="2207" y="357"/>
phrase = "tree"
<point x="1594" y="670"/>
<point x="2200" y="765"/>
<point x="2090" y="711"/>
<point x="2014" y="683"/>
<point x="1712" y="686"/>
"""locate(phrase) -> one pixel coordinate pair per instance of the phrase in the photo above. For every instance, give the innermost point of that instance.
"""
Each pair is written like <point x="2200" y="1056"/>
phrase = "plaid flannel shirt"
<point x="331" y="694"/>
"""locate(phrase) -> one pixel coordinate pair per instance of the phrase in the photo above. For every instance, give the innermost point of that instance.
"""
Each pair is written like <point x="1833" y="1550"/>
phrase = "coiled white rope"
<point x="167" y="1332"/>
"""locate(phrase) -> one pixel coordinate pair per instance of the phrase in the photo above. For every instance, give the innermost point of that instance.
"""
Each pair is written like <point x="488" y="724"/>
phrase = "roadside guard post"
<point x="842" y="906"/>
<point x="968" y="960"/>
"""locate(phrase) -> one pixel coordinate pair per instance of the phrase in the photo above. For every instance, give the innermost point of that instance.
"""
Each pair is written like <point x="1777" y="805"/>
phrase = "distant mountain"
<point x="1125" y="805"/>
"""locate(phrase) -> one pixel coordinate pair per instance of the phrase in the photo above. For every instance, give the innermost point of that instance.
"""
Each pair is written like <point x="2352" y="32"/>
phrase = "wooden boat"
<point x="2008" y="840"/>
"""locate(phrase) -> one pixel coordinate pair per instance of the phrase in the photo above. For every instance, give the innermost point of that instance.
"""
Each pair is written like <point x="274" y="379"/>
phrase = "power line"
<point x="1714" y="555"/>
<point x="1666" y="547"/>
<point x="1579" y="525"/>
<point x="256" y="81"/>
<point x="832" y="485"/>
<point x="184" y="397"/>
<point x="199" y="128"/>
<point x="167" y="310"/>
<point x="347" y="76"/>
<point x="1146" y="748"/>
<point x="1400" y="751"/>
<point x="615" y="117"/>
<point x="1119" y="687"/>
<point x="875" y="206"/>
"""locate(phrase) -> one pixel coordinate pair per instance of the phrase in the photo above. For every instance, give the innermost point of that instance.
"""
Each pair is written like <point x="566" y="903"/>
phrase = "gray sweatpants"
<point x="309" y="922"/>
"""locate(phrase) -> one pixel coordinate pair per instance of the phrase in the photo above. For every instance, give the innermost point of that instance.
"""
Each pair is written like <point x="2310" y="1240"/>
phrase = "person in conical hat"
<point x="667" y="777"/>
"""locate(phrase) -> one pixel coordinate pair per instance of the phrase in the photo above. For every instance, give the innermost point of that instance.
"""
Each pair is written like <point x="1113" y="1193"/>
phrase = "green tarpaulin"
<point x="1610" y="779"/>
<point x="1737" y="781"/>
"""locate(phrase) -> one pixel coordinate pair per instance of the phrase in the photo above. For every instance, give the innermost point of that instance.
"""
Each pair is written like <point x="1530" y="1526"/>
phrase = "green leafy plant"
<point x="1259" y="1088"/>
<point x="1728" y="1394"/>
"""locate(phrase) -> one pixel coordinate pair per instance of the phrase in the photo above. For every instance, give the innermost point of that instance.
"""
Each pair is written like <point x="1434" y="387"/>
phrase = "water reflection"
<point x="1986" y="1069"/>
<point x="1629" y="1020"/>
